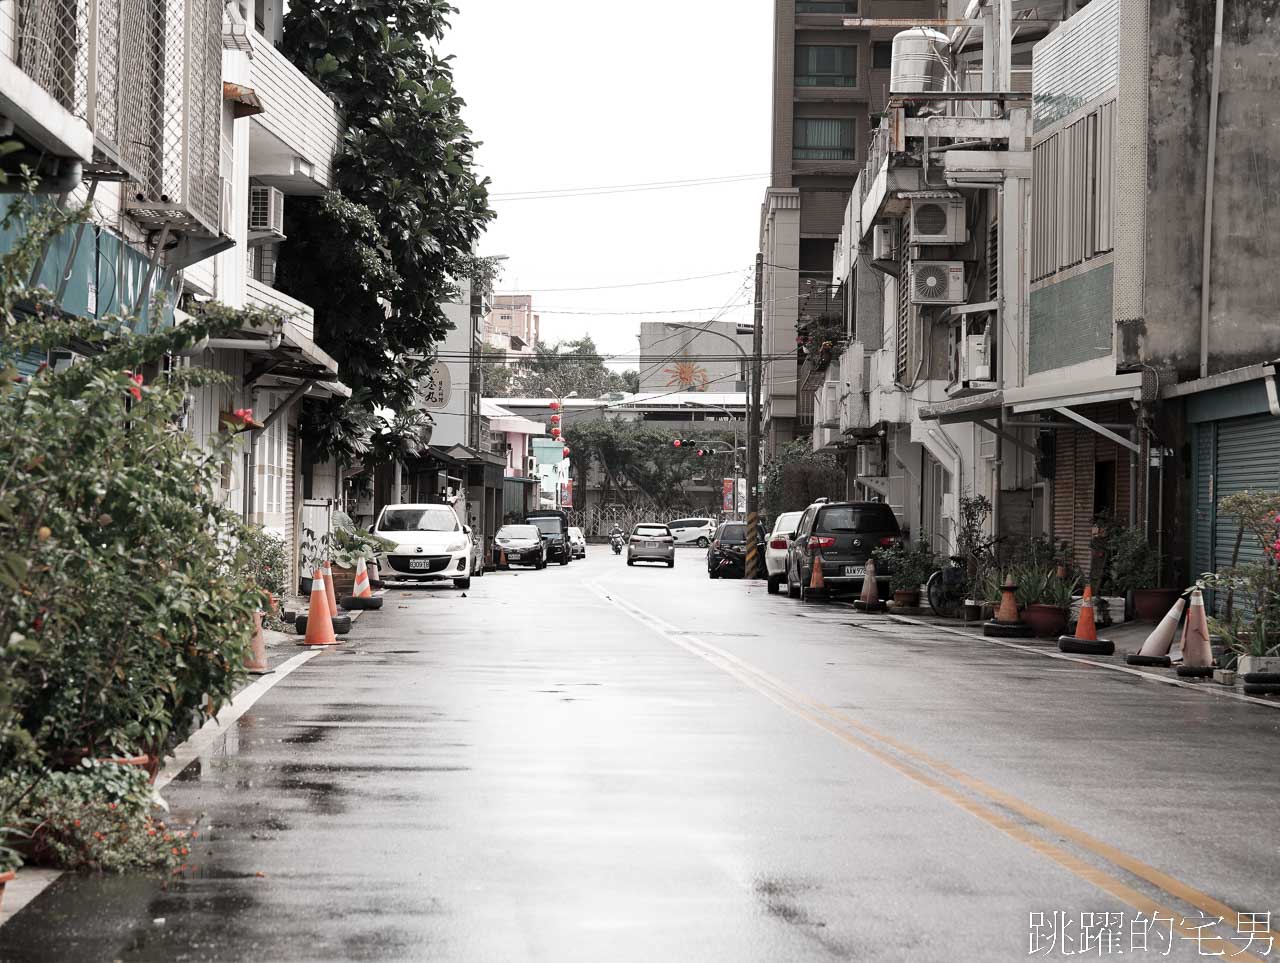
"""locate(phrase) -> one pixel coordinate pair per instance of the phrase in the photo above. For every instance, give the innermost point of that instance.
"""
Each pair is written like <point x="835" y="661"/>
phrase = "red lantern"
<point x="565" y="452"/>
<point x="555" y="406"/>
<point x="555" y="432"/>
<point x="555" y="419"/>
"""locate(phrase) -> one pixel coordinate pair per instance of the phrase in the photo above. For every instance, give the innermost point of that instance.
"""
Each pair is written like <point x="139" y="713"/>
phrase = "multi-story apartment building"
<point x="1073" y="289"/>
<point x="511" y="325"/>
<point x="694" y="357"/>
<point x="829" y="80"/>
<point x="188" y="130"/>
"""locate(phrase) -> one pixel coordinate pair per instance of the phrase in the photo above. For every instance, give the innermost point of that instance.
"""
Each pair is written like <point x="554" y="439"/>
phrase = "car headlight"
<point x="457" y="546"/>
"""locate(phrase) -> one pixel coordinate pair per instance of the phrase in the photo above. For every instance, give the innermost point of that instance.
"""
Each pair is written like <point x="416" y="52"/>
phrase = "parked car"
<point x="844" y="534"/>
<point x="554" y="526"/>
<point x="651" y="542"/>
<point x="775" y="552"/>
<point x="577" y="543"/>
<point x="522" y="545"/>
<point x="727" y="551"/>
<point x="430" y="544"/>
<point x="693" y="531"/>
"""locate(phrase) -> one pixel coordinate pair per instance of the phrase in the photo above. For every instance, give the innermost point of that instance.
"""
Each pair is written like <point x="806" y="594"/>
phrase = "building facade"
<point x="511" y="326"/>
<point x="675" y="357"/>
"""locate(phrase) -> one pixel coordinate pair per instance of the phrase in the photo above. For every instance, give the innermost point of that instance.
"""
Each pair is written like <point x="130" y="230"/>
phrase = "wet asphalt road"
<point x="609" y="763"/>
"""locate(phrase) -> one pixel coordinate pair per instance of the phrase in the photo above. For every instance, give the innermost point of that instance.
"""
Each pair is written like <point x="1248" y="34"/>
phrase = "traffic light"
<point x="683" y="443"/>
<point x="702" y="452"/>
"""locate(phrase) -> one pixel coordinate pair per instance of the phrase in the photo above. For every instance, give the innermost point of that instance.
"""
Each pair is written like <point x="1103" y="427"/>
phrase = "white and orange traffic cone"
<point x="869" y="599"/>
<point x="1155" y="651"/>
<point x="327" y="573"/>
<point x="1007" y="622"/>
<point x="255" y="661"/>
<point x="502" y="559"/>
<point x="816" y="579"/>
<point x="1086" y="641"/>
<point x="1197" y="655"/>
<point x="361" y="596"/>
<point x="317" y="624"/>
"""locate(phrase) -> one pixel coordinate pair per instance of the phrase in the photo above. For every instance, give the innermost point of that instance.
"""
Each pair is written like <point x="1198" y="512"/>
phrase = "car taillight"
<point x="716" y="544"/>
<point x="888" y="541"/>
<point x="779" y="543"/>
<point x="817" y="542"/>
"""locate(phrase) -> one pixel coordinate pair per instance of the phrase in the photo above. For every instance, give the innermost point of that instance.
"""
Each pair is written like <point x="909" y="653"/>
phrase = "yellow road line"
<point x="823" y="716"/>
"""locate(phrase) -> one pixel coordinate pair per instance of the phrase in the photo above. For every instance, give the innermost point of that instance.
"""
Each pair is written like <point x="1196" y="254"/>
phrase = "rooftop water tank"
<point x="920" y="58"/>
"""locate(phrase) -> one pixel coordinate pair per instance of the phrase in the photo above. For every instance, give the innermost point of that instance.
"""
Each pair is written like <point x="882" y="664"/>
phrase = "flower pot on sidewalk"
<point x="1151" y="604"/>
<point x="974" y="611"/>
<point x="906" y="598"/>
<point x="1250" y="664"/>
<point x="1046" y="621"/>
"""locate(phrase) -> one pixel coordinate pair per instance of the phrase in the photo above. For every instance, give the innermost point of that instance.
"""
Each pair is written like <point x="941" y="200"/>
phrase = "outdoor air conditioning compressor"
<point x="937" y="282"/>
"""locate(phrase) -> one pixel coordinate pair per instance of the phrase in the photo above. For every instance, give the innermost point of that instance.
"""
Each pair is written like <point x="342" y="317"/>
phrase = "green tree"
<point x="408" y="161"/>
<point x="797" y="475"/>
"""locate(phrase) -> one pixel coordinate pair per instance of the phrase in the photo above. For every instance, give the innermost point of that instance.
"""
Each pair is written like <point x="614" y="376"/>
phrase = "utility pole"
<point x="754" y="568"/>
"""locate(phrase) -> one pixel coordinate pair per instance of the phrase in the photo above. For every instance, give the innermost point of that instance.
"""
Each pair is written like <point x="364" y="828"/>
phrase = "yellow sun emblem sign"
<point x="686" y="374"/>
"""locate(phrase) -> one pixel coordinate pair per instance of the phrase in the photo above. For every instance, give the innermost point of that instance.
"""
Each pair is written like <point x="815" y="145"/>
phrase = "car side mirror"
<point x="791" y="534"/>
<point x="466" y="529"/>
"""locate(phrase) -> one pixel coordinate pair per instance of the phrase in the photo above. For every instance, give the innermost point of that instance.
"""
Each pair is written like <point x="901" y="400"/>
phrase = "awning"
<point x="244" y="98"/>
<point x="1068" y="394"/>
<point x="970" y="408"/>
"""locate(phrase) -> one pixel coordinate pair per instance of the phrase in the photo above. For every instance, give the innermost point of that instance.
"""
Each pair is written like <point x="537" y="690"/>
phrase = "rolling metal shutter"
<point x="1247" y="457"/>
<point x="1202" y="508"/>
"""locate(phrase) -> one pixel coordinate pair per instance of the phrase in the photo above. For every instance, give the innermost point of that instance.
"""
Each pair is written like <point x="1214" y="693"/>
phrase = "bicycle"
<point x="947" y="588"/>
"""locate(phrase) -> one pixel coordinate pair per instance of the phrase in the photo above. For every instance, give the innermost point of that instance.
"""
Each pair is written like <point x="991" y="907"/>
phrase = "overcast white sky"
<point x="587" y="93"/>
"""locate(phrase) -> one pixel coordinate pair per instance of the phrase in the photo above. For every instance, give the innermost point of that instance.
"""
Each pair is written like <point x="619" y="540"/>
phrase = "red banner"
<point x="727" y="495"/>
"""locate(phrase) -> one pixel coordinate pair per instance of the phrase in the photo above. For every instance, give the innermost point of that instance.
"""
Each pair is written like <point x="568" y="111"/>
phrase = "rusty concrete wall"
<point x="1245" y="282"/>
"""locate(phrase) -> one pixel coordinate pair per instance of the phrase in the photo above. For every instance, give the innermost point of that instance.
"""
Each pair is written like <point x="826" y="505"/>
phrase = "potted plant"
<point x="909" y="567"/>
<point x="1133" y="569"/>
<point x="1046" y="600"/>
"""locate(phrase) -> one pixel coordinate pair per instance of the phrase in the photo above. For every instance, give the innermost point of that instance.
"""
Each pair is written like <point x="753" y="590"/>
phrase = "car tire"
<point x="631" y="561"/>
<point x="671" y="564"/>
<point x="462" y="583"/>
<point x="774" y="585"/>
<point x="564" y="560"/>
<point x="793" y="591"/>
<point x="703" y="541"/>
<point x="712" y="572"/>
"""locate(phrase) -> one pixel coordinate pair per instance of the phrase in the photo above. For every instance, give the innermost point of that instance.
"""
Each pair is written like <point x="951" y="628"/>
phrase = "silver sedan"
<point x="651" y="542"/>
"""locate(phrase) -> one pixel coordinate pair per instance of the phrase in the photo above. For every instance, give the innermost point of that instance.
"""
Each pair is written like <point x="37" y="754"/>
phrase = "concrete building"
<point x="674" y="357"/>
<point x="188" y="130"/>
<point x="829" y="79"/>
<point x="513" y="438"/>
<point x="511" y="325"/>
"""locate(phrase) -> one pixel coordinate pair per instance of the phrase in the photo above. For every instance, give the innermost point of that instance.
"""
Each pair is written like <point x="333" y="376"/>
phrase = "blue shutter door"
<point x="1248" y="458"/>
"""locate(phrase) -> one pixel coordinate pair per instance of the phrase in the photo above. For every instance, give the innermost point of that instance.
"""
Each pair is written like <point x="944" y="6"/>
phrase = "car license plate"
<point x="855" y="570"/>
<point x="649" y="544"/>
<point x="417" y="565"/>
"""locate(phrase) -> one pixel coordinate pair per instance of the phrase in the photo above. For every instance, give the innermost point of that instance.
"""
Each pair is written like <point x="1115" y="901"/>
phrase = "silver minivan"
<point x="651" y="542"/>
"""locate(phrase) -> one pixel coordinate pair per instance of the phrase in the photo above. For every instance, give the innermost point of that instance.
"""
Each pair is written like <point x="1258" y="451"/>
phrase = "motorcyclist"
<point x="617" y="538"/>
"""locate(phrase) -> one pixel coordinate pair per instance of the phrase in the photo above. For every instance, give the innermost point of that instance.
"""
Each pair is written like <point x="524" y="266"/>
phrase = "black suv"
<point x="554" y="526"/>
<point x="844" y="534"/>
<point x="727" y="553"/>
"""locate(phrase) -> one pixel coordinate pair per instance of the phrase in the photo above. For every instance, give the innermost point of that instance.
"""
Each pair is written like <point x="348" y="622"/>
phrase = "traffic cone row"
<point x="362" y="596"/>
<point x="1155" y="650"/>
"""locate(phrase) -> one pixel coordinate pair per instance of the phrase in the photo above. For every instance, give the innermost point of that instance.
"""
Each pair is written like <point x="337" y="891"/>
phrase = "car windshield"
<point x="517" y="531"/>
<point x="652" y="531"/>
<point x="734" y="533"/>
<point x="418" y="520"/>
<point x="550" y="525"/>
<point x="862" y="519"/>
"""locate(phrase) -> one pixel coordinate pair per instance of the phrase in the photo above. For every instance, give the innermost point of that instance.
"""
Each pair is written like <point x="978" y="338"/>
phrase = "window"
<point x="826" y="66"/>
<point x="504" y="317"/>
<point x="881" y="56"/>
<point x="861" y="519"/>
<point x="824" y="138"/>
<point x="418" y="520"/>
<point x="826" y="6"/>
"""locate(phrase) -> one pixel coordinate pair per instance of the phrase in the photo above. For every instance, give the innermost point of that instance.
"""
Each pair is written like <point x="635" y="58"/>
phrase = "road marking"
<point x="215" y="728"/>
<point x="871" y="741"/>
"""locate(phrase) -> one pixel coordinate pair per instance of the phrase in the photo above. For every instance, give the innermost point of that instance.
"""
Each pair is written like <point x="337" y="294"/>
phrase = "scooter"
<point x="616" y="541"/>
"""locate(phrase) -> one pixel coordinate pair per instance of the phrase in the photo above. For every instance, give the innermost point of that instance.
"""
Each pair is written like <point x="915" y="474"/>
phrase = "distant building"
<point x="674" y="358"/>
<point x="511" y="325"/>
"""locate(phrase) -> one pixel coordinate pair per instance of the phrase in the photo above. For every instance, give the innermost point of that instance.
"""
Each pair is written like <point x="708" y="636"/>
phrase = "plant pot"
<point x="304" y="586"/>
<point x="1046" y="621"/>
<point x="906" y="598"/>
<point x="4" y="878"/>
<point x="1249" y="664"/>
<point x="973" y="611"/>
<point x="344" y="580"/>
<point x="1150" y="605"/>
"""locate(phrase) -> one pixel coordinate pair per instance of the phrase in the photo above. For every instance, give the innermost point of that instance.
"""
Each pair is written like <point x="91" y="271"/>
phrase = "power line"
<point x="592" y="190"/>
<point x="608" y="287"/>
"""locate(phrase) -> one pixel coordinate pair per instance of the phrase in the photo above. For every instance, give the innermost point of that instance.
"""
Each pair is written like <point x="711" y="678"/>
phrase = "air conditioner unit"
<point x="937" y="282"/>
<point x="938" y="221"/>
<point x="531" y="465"/>
<point x="882" y="243"/>
<point x="266" y="213"/>
<point x="977" y="358"/>
<point x="61" y="359"/>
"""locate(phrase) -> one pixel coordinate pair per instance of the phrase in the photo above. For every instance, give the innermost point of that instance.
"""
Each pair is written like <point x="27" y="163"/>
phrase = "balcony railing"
<point x="304" y="125"/>
<point x="297" y="316"/>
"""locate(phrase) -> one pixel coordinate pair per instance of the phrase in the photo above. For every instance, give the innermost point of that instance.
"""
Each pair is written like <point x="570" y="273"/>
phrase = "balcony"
<point x="299" y="318"/>
<point x="292" y="142"/>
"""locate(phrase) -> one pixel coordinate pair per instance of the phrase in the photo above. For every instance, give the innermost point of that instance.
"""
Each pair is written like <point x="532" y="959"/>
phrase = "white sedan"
<point x="775" y="553"/>
<point x="430" y="544"/>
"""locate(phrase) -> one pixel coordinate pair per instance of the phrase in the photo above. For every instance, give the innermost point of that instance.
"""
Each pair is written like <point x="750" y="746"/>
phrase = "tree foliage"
<point x="555" y="371"/>
<point x="797" y="475"/>
<point x="377" y="263"/>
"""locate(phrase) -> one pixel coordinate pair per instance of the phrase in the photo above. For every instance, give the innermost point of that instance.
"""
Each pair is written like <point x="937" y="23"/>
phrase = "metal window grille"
<point x="176" y="86"/>
<point x="902" y="334"/>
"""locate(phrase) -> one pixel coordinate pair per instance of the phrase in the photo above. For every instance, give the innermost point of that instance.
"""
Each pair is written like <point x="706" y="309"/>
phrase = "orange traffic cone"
<point x="255" y="662"/>
<point x="1155" y="651"/>
<point x="361" y="596"/>
<point x="327" y="572"/>
<point x="502" y="559"/>
<point x="1197" y="656"/>
<point x="1086" y="640"/>
<point x="869" y="600"/>
<point x="318" y="623"/>
<point x="1007" y="622"/>
<point x="816" y="580"/>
